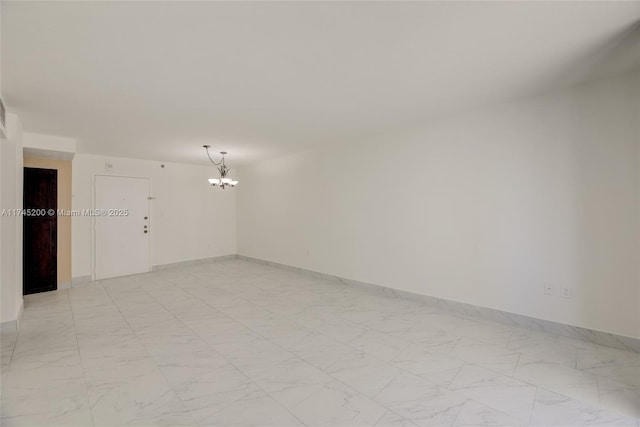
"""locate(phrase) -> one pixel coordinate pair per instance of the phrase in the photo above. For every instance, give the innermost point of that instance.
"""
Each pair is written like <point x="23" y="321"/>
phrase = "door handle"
<point x="146" y="231"/>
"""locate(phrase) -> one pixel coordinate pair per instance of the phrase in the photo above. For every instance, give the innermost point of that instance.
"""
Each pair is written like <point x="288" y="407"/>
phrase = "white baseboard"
<point x="193" y="262"/>
<point x="575" y="332"/>
<point x="80" y="280"/>
<point x="11" y="326"/>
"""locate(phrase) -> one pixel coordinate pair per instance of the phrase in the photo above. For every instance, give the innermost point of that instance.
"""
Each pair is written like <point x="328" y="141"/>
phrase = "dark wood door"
<point x="40" y="236"/>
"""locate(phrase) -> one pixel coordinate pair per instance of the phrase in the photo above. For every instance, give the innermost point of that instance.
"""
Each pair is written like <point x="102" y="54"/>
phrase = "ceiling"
<point x="156" y="80"/>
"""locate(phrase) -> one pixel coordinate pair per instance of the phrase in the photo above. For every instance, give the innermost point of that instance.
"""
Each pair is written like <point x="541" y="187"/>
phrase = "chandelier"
<point x="223" y="181"/>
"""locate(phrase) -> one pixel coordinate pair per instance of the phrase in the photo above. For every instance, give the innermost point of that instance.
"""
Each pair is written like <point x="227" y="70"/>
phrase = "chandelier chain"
<point x="206" y="147"/>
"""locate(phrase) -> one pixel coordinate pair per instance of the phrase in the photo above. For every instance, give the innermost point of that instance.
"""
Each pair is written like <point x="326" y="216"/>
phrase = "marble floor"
<point x="237" y="343"/>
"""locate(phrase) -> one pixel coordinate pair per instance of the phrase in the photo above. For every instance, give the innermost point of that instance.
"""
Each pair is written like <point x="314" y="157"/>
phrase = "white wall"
<point x="189" y="219"/>
<point x="48" y="146"/>
<point x="481" y="208"/>
<point x="0" y="46"/>
<point x="11" y="300"/>
<point x="49" y="142"/>
<point x="11" y="178"/>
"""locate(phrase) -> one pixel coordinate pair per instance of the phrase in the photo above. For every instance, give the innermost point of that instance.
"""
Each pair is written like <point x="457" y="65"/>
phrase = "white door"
<point x="122" y="228"/>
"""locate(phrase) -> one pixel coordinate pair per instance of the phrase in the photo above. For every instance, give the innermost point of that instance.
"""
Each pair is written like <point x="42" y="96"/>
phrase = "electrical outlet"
<point x="548" y="289"/>
<point x="566" y="292"/>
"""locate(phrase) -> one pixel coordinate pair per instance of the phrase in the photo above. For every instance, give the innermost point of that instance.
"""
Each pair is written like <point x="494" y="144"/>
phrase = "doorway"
<point x="121" y="229"/>
<point x="40" y="235"/>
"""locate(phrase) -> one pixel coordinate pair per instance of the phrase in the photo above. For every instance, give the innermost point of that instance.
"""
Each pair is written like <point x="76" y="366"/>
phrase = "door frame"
<point x="93" y="218"/>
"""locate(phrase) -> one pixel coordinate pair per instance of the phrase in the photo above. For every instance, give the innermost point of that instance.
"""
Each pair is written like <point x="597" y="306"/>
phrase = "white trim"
<point x="20" y="313"/>
<point x="64" y="285"/>
<point x="9" y="326"/>
<point x="80" y="280"/>
<point x="187" y="263"/>
<point x="593" y="336"/>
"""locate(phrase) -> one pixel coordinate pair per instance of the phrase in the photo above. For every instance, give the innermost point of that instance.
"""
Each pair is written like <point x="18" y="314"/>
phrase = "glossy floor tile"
<point x="236" y="343"/>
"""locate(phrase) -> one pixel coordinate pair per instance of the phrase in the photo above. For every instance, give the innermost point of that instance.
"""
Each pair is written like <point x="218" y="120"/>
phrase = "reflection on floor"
<point x="238" y="343"/>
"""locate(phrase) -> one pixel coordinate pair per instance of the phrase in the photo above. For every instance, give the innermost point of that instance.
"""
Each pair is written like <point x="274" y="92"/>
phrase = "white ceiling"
<point x="157" y="80"/>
